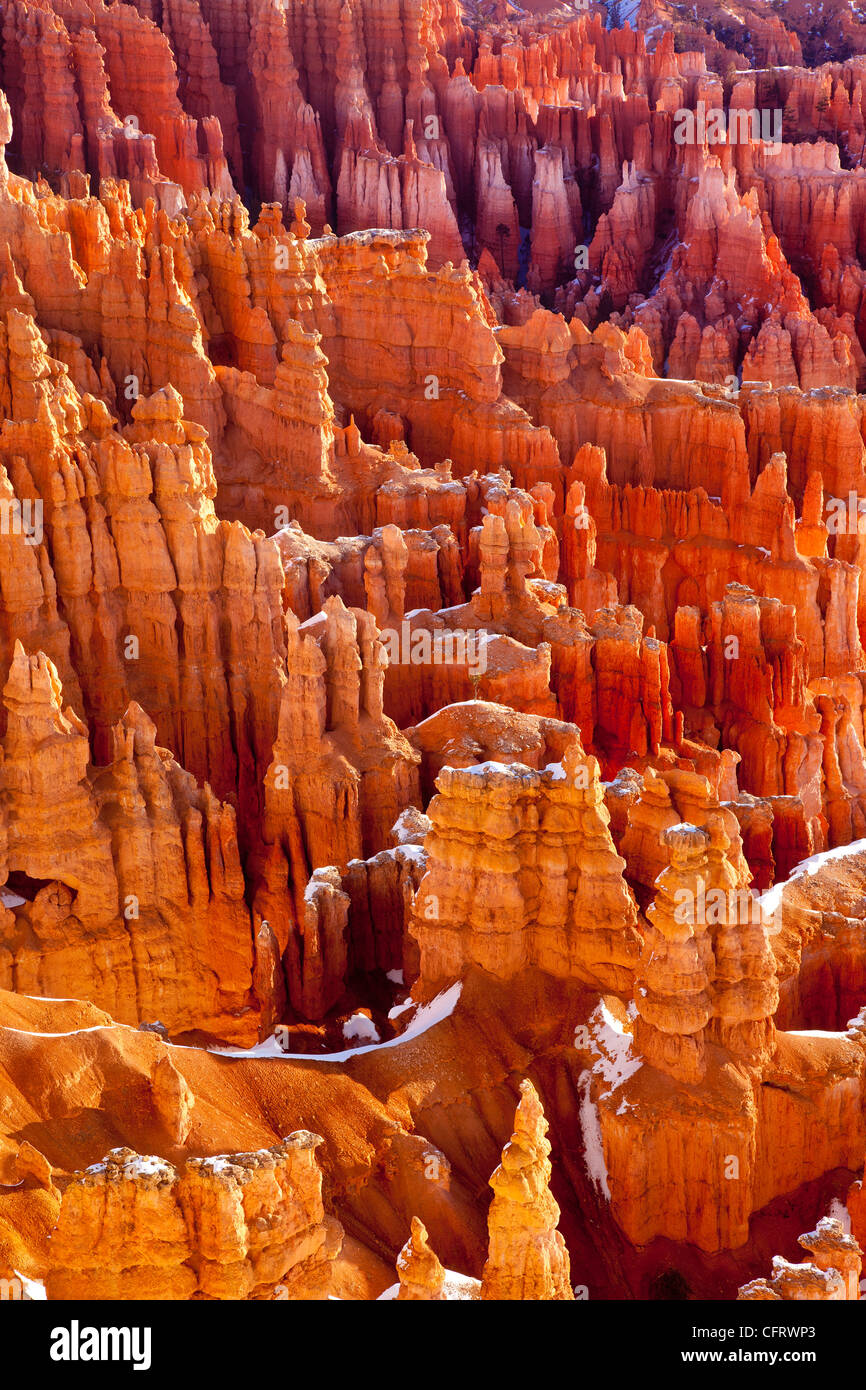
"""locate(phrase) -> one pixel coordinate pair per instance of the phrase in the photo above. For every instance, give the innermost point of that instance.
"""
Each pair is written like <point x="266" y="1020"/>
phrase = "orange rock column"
<point x="527" y="1258"/>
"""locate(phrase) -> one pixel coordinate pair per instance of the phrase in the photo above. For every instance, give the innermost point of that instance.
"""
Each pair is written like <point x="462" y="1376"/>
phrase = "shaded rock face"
<point x="432" y="481"/>
<point x="135" y="892"/>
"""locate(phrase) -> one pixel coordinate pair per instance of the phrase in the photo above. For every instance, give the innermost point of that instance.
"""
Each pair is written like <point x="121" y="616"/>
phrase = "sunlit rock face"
<point x="432" y="525"/>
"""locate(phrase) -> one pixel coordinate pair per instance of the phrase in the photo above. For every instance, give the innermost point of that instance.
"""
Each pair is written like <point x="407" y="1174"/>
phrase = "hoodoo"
<point x="432" y="674"/>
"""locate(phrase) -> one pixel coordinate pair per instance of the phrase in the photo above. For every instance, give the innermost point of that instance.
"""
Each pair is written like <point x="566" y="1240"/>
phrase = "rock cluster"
<point x="536" y="880"/>
<point x="833" y="1273"/>
<point x="235" y="1226"/>
<point x="432" y="478"/>
<point x="527" y="1258"/>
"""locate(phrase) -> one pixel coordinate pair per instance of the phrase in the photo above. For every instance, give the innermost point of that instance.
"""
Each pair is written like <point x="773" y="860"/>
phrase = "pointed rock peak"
<point x="576" y="763"/>
<point x="393" y="541"/>
<point x="418" y="1268"/>
<point x="773" y="480"/>
<point x="813" y="499"/>
<point x="300" y="227"/>
<point x="5" y="120"/>
<point x="529" y="1118"/>
<point x="334" y="607"/>
<point x="142" y="727"/>
<point x="33" y="681"/>
<point x="418" y="1238"/>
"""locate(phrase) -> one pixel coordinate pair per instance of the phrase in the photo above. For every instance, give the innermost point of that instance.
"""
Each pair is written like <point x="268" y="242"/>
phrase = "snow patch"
<point x="218" y="1164"/>
<point x="613" y="1064"/>
<point x="811" y="1033"/>
<point x="593" y="1149"/>
<point x="427" y="1016"/>
<point x="460" y="1287"/>
<point x="140" y="1166"/>
<point x="146" y="1166"/>
<point x="417" y="854"/>
<point x="771" y="899"/>
<point x="50" y="999"/>
<point x="479" y="769"/>
<point x="94" y="1028"/>
<point x="457" y="1288"/>
<point x="395" y="976"/>
<point x="360" y="1026"/>
<point x="840" y="1212"/>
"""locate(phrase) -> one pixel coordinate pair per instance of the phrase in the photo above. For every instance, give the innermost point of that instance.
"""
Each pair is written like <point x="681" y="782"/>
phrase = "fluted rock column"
<point x="418" y="1268"/>
<point x="527" y="1258"/>
<point x="317" y="957"/>
<point x="672" y="991"/>
<point x="745" y="987"/>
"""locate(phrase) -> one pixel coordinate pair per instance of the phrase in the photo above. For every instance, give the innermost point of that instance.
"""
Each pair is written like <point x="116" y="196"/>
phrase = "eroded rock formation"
<point x="235" y="1226"/>
<point x="432" y="480"/>
<point x="527" y="1258"/>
